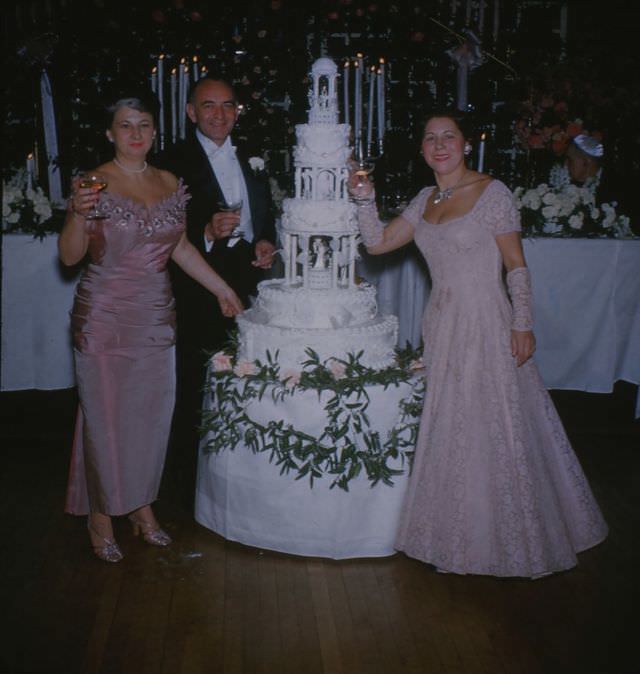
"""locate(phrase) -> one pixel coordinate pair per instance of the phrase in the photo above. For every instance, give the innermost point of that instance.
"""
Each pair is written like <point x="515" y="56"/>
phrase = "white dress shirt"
<point x="227" y="169"/>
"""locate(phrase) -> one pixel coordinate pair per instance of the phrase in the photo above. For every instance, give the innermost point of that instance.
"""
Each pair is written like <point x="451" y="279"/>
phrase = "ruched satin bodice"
<point x="124" y="297"/>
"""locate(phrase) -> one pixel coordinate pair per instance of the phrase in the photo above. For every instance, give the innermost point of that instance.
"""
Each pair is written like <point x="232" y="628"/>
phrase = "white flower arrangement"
<point x="568" y="210"/>
<point x="25" y="208"/>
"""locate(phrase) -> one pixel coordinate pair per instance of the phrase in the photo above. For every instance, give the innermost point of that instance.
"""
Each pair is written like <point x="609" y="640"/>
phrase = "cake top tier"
<point x="323" y="95"/>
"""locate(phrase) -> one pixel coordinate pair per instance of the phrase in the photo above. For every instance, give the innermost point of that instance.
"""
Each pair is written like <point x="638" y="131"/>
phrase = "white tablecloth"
<point x="37" y="295"/>
<point x="586" y="295"/>
<point x="586" y="305"/>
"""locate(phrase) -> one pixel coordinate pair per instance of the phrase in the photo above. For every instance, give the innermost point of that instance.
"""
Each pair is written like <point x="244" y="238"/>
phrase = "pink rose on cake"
<point x="337" y="369"/>
<point x="290" y="378"/>
<point x="244" y="367"/>
<point x="221" y="361"/>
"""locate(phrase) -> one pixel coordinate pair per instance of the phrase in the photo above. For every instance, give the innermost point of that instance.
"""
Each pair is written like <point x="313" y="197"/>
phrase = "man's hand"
<point x="221" y="225"/>
<point x="264" y="254"/>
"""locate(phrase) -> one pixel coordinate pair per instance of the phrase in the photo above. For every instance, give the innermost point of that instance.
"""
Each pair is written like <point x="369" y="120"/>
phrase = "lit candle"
<point x="345" y="87"/>
<point x="54" y="181"/>
<point x="181" y="71"/>
<point x="481" y="153"/>
<point x="496" y="19"/>
<point x="203" y="71"/>
<point x="381" y="117"/>
<point x="173" y="105"/>
<point x="183" y="102"/>
<point x="30" y="171"/>
<point x="563" y="22"/>
<point x="372" y="83"/>
<point x="356" y="104"/>
<point x="194" y="68"/>
<point x="154" y="80"/>
<point x="160" y="67"/>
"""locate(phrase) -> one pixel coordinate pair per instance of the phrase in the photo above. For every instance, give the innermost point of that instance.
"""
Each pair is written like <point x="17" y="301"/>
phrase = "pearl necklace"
<point x="128" y="170"/>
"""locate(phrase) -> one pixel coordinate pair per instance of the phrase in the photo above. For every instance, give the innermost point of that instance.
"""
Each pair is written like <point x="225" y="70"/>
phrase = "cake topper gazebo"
<point x="319" y="230"/>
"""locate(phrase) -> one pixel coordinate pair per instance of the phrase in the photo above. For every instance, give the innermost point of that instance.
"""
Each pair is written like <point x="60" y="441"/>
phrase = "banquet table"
<point x="586" y="305"/>
<point x="586" y="309"/>
<point x="37" y="295"/>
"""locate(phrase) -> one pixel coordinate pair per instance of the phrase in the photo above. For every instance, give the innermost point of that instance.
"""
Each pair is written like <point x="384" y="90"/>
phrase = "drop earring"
<point x="467" y="149"/>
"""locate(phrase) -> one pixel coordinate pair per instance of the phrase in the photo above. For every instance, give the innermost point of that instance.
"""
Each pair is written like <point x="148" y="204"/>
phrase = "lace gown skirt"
<point x="496" y="488"/>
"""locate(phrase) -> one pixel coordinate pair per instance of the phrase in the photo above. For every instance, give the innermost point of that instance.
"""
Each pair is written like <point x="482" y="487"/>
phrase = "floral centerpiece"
<point x="568" y="211"/>
<point x="26" y="208"/>
<point x="348" y="444"/>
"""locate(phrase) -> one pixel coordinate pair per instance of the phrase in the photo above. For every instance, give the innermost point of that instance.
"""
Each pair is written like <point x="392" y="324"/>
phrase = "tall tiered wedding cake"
<point x="318" y="304"/>
<point x="351" y="423"/>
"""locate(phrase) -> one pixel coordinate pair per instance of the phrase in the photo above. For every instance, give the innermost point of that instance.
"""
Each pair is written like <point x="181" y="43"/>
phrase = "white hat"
<point x="589" y="145"/>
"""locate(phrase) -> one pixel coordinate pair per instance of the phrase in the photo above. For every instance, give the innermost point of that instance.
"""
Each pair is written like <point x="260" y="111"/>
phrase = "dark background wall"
<point x="533" y="87"/>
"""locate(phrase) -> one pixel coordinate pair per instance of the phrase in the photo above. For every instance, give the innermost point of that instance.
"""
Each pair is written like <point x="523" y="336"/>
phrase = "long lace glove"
<point x="371" y="227"/>
<point x="519" y="285"/>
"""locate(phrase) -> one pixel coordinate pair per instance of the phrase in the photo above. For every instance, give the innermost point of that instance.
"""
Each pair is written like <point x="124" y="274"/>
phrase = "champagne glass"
<point x="364" y="167"/>
<point x="96" y="182"/>
<point x="232" y="206"/>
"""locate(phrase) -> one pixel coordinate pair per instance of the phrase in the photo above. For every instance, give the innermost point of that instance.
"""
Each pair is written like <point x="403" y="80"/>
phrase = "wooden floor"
<point x="206" y="605"/>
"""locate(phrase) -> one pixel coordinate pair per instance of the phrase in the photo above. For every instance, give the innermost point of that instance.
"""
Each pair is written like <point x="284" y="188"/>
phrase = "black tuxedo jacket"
<point x="201" y="325"/>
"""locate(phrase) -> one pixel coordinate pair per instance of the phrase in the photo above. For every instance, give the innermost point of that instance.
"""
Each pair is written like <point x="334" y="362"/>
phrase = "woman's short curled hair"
<point x="142" y="101"/>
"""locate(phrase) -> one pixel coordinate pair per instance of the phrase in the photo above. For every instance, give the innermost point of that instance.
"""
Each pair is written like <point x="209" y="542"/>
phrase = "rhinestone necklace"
<point x="443" y="195"/>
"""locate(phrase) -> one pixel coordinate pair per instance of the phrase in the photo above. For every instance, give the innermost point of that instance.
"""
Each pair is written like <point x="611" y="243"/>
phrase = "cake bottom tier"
<point x="244" y="497"/>
<point x="376" y="339"/>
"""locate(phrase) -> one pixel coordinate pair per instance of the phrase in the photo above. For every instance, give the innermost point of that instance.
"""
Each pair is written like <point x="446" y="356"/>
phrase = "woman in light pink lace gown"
<point x="495" y="486"/>
<point x="123" y="325"/>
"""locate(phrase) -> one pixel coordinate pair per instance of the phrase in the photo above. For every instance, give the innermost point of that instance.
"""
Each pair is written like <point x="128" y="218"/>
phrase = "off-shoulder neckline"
<point x="139" y="205"/>
<point x="464" y="215"/>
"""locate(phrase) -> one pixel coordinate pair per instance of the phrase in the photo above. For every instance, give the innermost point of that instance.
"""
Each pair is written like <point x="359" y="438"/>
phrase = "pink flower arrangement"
<point x="548" y="119"/>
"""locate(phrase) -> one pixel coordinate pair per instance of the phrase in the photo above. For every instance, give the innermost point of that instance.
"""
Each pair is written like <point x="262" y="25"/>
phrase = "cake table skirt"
<point x="243" y="497"/>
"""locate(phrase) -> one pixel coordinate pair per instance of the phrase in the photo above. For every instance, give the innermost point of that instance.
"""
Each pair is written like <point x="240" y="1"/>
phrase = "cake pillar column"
<point x="293" y="254"/>
<point x="352" y="260"/>
<point x="305" y="264"/>
<point x="333" y="247"/>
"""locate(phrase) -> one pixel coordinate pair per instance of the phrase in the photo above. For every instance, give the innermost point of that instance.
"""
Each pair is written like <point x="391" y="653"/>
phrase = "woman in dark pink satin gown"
<point x="123" y="325"/>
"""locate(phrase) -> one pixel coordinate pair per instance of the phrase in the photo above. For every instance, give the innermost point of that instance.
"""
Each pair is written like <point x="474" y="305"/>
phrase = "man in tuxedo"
<point x="238" y="244"/>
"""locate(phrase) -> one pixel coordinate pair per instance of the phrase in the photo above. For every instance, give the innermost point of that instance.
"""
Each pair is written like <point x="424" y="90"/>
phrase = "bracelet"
<point x="363" y="202"/>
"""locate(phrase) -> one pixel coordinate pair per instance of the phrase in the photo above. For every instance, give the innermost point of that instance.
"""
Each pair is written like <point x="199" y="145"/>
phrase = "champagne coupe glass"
<point x="96" y="182"/>
<point x="232" y="206"/>
<point x="364" y="167"/>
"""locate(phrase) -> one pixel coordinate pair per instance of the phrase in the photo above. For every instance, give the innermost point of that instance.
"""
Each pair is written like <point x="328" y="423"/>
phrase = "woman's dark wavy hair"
<point x="462" y="120"/>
